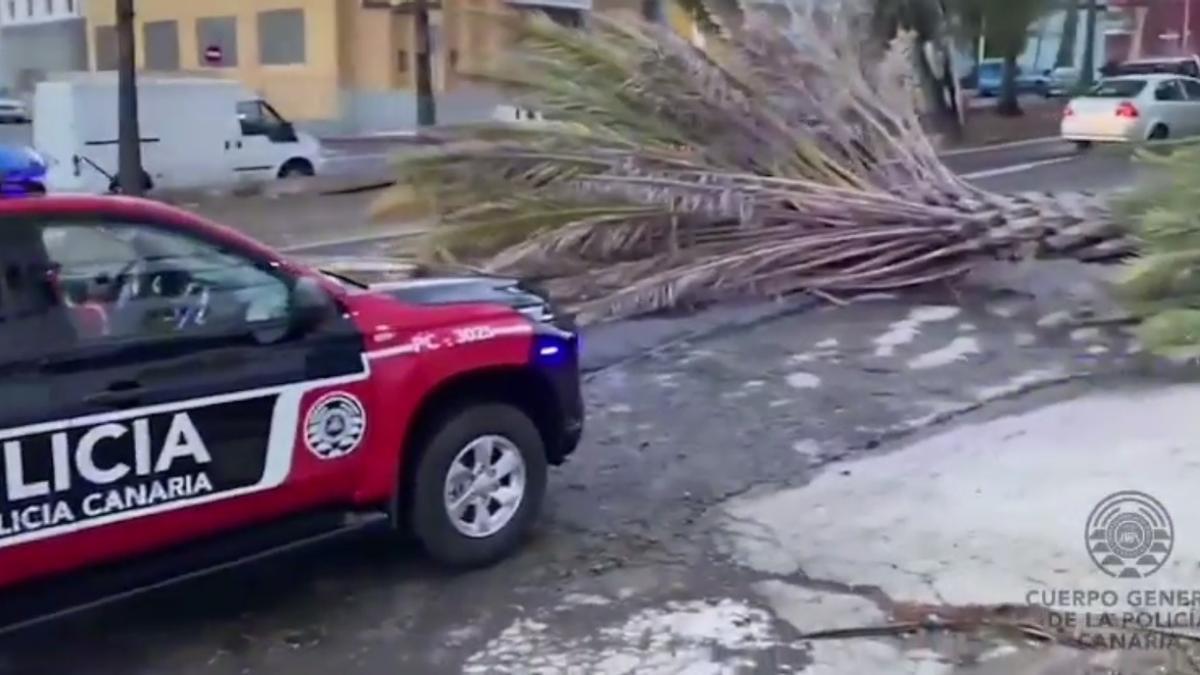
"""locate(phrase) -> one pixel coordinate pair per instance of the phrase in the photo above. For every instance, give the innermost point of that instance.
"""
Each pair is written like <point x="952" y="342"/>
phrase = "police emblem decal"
<point x="335" y="425"/>
<point x="1129" y="535"/>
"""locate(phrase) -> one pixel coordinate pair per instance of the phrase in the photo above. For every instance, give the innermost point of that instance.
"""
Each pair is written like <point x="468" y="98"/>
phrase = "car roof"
<point x="1161" y="59"/>
<point x="135" y="209"/>
<point x="1148" y="77"/>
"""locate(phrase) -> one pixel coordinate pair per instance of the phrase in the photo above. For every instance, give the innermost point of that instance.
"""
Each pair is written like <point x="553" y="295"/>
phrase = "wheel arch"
<point x="297" y="161"/>
<point x="520" y="386"/>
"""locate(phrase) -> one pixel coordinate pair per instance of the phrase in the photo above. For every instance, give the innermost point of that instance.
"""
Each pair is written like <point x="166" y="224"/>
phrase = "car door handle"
<point x="118" y="395"/>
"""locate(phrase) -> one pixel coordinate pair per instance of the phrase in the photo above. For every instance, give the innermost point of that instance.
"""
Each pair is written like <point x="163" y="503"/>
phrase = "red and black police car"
<point x="176" y="397"/>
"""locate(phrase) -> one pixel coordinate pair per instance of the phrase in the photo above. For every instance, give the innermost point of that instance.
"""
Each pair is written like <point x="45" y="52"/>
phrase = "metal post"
<point x="129" y="142"/>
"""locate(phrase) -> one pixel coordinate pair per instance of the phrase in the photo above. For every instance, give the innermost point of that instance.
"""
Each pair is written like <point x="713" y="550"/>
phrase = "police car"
<point x="177" y="397"/>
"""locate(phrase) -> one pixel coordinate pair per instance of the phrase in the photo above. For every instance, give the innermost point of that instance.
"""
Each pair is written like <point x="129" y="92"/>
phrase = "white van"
<point x="195" y="132"/>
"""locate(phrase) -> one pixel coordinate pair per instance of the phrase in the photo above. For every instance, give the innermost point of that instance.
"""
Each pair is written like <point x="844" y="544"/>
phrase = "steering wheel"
<point x="127" y="285"/>
<point x="186" y="308"/>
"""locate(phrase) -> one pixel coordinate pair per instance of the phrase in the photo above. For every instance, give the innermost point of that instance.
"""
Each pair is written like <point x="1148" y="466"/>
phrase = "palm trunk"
<point x="1087" y="67"/>
<point x="129" y="145"/>
<point x="1009" y="105"/>
<point x="426" y="106"/>
<point x="1066" y="44"/>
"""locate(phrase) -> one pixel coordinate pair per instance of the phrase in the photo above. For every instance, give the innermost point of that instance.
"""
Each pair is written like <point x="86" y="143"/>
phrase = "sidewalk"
<point x="303" y="219"/>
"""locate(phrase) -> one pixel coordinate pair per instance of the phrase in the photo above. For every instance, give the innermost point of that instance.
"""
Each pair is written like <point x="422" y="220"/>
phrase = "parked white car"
<point x="1134" y="108"/>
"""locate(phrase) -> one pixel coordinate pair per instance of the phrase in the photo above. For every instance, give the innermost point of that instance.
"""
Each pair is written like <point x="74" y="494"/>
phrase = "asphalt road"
<point x="629" y="570"/>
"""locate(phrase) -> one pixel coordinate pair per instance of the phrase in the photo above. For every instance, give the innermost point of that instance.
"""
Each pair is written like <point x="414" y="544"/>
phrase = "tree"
<point x="1087" y="69"/>
<point x="666" y="175"/>
<point x="1065" y="57"/>
<point x="931" y="22"/>
<point x="426" y="105"/>
<point x="1006" y="26"/>
<point x="129" y="144"/>
<point x="1161" y="286"/>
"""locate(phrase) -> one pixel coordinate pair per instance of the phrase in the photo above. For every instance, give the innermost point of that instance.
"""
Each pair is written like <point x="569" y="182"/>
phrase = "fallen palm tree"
<point x="769" y="163"/>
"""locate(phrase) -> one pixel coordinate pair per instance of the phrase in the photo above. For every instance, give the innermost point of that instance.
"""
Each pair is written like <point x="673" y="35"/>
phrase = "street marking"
<point x="999" y="146"/>
<point x="1015" y="168"/>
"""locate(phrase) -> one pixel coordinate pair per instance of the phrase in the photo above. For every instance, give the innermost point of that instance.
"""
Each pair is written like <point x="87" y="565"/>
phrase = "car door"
<point x="1191" y="89"/>
<point x="185" y="398"/>
<point x="1171" y="107"/>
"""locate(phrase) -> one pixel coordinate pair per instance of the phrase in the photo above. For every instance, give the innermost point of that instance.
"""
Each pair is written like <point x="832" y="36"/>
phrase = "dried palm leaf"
<point x="780" y="162"/>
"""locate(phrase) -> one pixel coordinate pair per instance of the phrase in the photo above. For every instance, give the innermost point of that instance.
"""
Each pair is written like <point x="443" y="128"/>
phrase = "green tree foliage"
<point x="1161" y="285"/>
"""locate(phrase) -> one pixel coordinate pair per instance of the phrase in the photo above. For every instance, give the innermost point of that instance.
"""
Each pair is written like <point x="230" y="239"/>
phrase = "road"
<point x="646" y="560"/>
<point x="1038" y="165"/>
<point x="367" y="157"/>
<point x="637" y="565"/>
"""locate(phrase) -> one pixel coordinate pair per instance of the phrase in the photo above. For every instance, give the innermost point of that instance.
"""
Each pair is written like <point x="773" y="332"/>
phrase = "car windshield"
<point x="991" y="69"/>
<point x="1117" y="89"/>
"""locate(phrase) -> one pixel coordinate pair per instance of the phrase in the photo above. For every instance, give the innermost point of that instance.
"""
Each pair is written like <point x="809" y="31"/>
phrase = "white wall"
<point x="25" y="12"/>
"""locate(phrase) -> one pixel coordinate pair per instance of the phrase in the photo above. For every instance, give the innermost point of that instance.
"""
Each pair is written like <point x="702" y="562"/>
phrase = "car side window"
<point x="1192" y="88"/>
<point x="33" y="324"/>
<point x="131" y="282"/>
<point x="1168" y="91"/>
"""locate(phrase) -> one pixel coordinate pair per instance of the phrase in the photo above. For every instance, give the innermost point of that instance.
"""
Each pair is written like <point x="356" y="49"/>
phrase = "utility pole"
<point x="129" y="141"/>
<point x="426" y="106"/>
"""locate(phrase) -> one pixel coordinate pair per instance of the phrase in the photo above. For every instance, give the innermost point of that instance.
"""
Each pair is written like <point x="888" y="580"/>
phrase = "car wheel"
<point x="479" y="485"/>
<point x="296" y="168"/>
<point x="1083" y="146"/>
<point x="1159" y="133"/>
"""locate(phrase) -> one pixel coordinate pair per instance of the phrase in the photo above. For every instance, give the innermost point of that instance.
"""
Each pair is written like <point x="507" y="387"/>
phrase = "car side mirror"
<point x="311" y="305"/>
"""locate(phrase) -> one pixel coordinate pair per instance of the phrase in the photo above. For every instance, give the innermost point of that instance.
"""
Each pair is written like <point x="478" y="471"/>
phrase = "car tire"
<point x="1083" y="146"/>
<point x="1160" y="132"/>
<point x="449" y="447"/>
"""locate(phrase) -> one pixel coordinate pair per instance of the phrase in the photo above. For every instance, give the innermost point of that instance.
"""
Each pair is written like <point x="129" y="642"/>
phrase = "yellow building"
<point x="347" y="64"/>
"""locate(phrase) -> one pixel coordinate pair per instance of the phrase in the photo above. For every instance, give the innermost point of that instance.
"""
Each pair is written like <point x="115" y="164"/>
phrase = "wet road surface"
<point x="629" y="568"/>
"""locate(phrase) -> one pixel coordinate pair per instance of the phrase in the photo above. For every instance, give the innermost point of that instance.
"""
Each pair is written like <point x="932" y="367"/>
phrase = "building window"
<point x="106" y="47"/>
<point x="49" y="7"/>
<point x="12" y="9"/>
<point x="160" y="40"/>
<point x="281" y="37"/>
<point x="216" y="38"/>
<point x="71" y="6"/>
<point x="402" y="61"/>
<point x="28" y="9"/>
